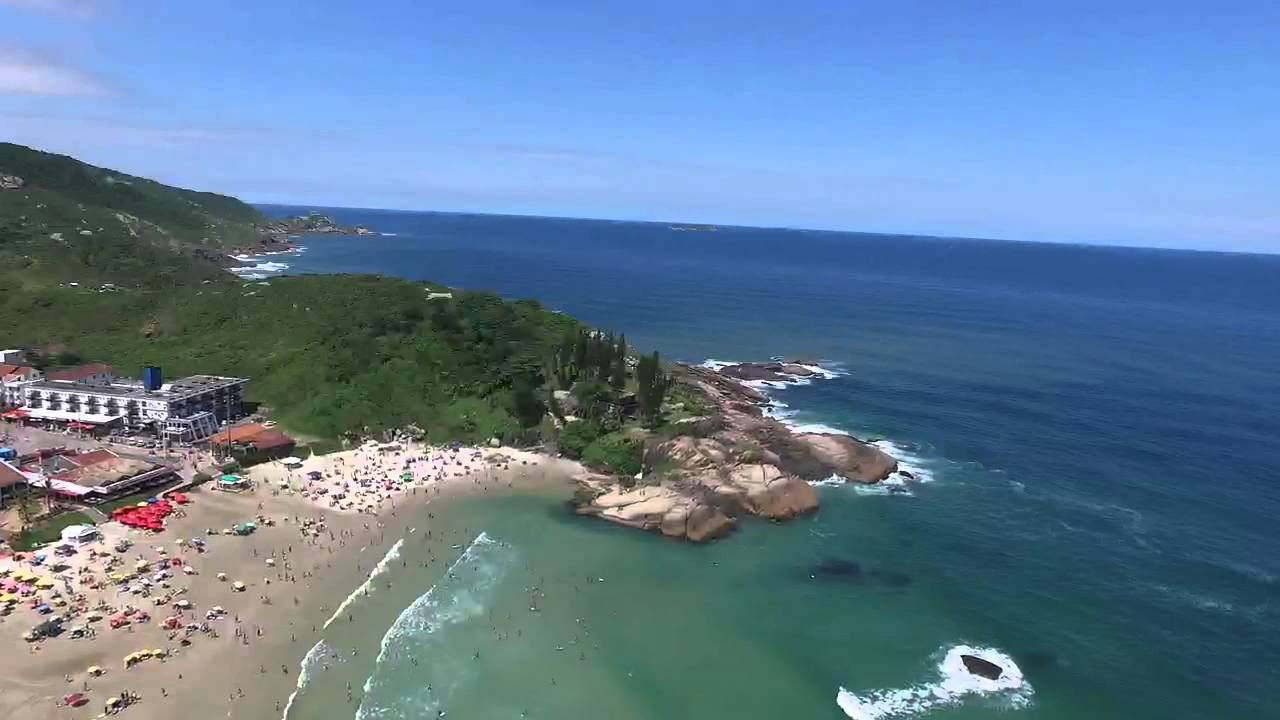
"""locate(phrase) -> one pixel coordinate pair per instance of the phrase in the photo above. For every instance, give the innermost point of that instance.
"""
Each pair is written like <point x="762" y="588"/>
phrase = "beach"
<point x="306" y="555"/>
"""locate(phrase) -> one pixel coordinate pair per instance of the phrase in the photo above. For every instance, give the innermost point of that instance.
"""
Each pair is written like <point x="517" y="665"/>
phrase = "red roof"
<point x="263" y="438"/>
<point x="80" y="372"/>
<point x="271" y="439"/>
<point x="7" y="369"/>
<point x="93" y="457"/>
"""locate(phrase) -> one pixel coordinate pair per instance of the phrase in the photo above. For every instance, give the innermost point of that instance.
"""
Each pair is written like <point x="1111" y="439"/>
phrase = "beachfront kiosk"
<point x="232" y="483"/>
<point x="80" y="534"/>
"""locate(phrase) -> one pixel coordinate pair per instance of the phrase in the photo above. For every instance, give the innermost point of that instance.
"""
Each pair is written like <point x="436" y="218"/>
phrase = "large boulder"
<point x="850" y="458"/>
<point x="981" y="667"/>
<point x="706" y="522"/>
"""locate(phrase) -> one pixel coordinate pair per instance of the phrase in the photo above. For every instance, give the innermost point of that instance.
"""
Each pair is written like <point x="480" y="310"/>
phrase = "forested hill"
<point x="327" y="355"/>
<point x="62" y="221"/>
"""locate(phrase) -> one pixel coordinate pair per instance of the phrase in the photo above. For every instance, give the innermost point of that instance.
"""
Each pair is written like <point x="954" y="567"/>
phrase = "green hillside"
<point x="327" y="355"/>
<point x="73" y="222"/>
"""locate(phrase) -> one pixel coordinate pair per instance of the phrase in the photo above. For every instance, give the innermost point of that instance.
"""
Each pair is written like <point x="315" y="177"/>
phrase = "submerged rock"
<point x="836" y="568"/>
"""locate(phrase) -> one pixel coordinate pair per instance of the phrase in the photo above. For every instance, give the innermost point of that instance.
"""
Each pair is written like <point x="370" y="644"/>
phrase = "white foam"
<point x="365" y="587"/>
<point x="428" y="614"/>
<point x="954" y="685"/>
<point x="908" y="460"/>
<point x="259" y="271"/>
<point x="313" y="656"/>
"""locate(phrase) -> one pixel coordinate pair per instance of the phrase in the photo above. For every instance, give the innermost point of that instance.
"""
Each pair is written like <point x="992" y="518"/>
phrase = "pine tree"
<point x="652" y="384"/>
<point x="580" y="349"/>
<point x="618" y="378"/>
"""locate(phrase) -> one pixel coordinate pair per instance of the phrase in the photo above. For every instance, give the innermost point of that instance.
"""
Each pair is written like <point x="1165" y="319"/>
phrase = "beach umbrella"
<point x="222" y="576"/>
<point x="239" y="586"/>
<point x="95" y="670"/>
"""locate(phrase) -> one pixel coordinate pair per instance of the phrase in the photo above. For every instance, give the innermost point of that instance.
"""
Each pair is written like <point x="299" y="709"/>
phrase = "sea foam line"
<point x="392" y="555"/>
<point x="414" y="613"/>
<point x="953" y="686"/>
<point x="304" y="674"/>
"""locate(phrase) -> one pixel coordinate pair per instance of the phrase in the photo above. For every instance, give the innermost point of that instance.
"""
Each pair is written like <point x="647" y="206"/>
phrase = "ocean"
<point x="1098" y="505"/>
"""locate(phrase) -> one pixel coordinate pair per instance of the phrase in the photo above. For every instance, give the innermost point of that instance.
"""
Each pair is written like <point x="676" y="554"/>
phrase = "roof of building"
<point x="95" y="468"/>
<point x="261" y="437"/>
<point x="131" y="389"/>
<point x="7" y="369"/>
<point x="80" y="372"/>
<point x="9" y="475"/>
<point x="272" y="439"/>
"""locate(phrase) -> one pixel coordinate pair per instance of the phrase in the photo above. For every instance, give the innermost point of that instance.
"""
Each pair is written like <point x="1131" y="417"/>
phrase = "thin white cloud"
<point x="77" y="8"/>
<point x="26" y="73"/>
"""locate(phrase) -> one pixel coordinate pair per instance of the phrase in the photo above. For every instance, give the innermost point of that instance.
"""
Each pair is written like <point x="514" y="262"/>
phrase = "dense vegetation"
<point x="327" y="356"/>
<point x="72" y="222"/>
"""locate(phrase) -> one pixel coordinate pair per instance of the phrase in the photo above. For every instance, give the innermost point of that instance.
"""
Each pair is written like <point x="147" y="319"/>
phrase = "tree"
<point x="594" y="398"/>
<point x="652" y="386"/>
<point x="618" y="379"/>
<point x="604" y="361"/>
<point x="576" y="436"/>
<point x="580" y="350"/>
<point x="525" y="403"/>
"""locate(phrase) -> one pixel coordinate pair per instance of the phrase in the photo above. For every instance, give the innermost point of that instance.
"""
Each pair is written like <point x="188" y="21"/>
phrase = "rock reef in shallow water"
<point x="703" y="473"/>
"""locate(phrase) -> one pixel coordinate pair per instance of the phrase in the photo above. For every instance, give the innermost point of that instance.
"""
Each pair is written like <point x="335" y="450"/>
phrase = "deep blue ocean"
<point x="1097" y="427"/>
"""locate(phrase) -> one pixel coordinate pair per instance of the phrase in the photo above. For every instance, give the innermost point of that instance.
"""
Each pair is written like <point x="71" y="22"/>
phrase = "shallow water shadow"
<point x="850" y="572"/>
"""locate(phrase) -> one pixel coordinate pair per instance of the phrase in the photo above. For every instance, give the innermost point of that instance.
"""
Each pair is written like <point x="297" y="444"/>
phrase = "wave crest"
<point x="954" y="685"/>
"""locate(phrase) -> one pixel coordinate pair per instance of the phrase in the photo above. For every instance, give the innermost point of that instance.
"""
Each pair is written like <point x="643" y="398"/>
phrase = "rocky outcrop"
<point x="312" y="222"/>
<point x="11" y="182"/>
<point x="981" y="667"/>
<point x="771" y="371"/>
<point x="705" y="472"/>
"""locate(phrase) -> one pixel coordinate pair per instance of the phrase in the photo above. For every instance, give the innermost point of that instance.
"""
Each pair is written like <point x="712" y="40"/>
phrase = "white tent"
<point x="79" y="533"/>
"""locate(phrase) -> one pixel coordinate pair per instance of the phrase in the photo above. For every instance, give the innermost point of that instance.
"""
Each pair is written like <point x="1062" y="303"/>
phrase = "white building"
<point x="13" y="381"/>
<point x="188" y="409"/>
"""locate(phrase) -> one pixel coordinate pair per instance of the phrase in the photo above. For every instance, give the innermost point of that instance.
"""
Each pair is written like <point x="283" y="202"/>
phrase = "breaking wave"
<point x="912" y="466"/>
<point x="457" y="597"/>
<point x="365" y="587"/>
<point x="309" y="661"/>
<point x="954" y="685"/>
<point x="260" y="270"/>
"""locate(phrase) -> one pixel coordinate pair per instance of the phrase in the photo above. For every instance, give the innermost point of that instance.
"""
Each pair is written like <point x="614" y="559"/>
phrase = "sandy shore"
<point x="320" y="551"/>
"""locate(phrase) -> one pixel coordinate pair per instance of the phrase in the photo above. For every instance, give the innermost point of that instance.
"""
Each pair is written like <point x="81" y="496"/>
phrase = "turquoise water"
<point x="1096" y="426"/>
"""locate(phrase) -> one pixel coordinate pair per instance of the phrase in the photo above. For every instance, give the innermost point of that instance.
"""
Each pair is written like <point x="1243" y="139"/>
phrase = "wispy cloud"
<point x="45" y="131"/>
<point x="27" y="73"/>
<point x="74" y="8"/>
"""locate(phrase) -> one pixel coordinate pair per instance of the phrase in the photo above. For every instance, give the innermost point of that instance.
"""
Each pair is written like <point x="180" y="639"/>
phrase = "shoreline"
<point x="296" y="570"/>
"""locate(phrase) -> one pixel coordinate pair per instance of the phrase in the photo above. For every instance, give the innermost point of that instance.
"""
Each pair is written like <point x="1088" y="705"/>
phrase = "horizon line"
<point x="736" y="226"/>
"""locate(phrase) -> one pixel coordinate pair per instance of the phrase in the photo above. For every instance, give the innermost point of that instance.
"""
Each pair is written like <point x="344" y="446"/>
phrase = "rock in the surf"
<point x="981" y="667"/>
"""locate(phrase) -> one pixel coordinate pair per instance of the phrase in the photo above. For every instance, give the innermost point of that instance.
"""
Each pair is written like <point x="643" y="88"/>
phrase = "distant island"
<point x="680" y="450"/>
<point x="693" y="228"/>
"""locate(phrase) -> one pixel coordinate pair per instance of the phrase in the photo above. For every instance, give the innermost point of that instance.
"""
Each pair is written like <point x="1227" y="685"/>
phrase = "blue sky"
<point x="1111" y="122"/>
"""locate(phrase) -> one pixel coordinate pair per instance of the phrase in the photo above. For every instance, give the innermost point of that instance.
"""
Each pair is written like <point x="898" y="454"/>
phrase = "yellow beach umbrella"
<point x="158" y="653"/>
<point x="8" y="598"/>
<point x="44" y="583"/>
